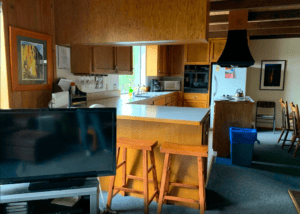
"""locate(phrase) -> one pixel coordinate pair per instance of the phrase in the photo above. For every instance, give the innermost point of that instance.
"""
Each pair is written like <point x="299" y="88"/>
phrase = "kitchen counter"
<point x="128" y="109"/>
<point x="145" y="121"/>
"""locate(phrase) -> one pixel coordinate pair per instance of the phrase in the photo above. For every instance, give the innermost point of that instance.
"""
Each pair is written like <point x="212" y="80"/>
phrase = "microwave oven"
<point x="171" y="85"/>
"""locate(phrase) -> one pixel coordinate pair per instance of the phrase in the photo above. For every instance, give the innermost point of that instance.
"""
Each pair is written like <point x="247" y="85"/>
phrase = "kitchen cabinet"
<point x="177" y="63"/>
<point x="81" y="59"/>
<point x="160" y="102"/>
<point x="156" y="56"/>
<point x="196" y="100"/>
<point x="216" y="48"/>
<point x="165" y="60"/>
<point x="101" y="60"/>
<point x="196" y="54"/>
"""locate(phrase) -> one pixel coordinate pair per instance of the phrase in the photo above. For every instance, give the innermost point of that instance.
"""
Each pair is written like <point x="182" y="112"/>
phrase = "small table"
<point x="10" y="193"/>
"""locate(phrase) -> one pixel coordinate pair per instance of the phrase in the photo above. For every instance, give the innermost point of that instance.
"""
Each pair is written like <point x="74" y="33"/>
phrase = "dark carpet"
<point x="263" y="188"/>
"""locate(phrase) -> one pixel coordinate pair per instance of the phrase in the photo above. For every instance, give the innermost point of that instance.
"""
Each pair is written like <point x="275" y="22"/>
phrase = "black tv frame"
<point x="65" y="177"/>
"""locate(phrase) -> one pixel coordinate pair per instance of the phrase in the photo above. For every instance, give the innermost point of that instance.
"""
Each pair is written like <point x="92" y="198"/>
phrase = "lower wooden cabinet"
<point x="195" y="104"/>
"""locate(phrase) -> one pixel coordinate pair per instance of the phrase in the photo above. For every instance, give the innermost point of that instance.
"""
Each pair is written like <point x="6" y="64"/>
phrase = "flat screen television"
<point x="56" y="144"/>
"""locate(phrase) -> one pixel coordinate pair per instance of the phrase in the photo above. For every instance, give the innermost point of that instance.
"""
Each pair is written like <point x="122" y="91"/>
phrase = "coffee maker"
<point x="155" y="85"/>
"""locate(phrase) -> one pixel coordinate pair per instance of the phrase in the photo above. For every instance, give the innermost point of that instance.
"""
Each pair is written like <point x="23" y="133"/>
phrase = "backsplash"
<point x="162" y="79"/>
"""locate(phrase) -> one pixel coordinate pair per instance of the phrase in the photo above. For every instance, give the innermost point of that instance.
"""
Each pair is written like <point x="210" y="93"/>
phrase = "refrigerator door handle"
<point x="216" y="84"/>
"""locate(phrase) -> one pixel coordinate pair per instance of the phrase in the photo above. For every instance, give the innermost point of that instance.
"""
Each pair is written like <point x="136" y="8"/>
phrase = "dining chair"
<point x="296" y="133"/>
<point x="285" y="125"/>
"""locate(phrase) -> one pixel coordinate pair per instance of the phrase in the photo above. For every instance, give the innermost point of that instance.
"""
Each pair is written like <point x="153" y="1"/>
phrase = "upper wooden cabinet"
<point x="101" y="60"/>
<point x="177" y="56"/>
<point x="164" y="60"/>
<point x="216" y="49"/>
<point x="81" y="59"/>
<point x="156" y="60"/>
<point x="196" y="54"/>
<point x="104" y="60"/>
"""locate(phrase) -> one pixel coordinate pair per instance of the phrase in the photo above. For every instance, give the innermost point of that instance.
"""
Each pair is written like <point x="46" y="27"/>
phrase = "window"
<point x="139" y="71"/>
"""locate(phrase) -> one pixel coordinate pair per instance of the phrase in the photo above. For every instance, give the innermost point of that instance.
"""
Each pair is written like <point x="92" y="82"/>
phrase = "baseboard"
<point x="269" y="128"/>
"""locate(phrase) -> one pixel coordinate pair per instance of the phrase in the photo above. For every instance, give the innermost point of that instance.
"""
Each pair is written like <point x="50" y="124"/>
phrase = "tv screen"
<point x="45" y="144"/>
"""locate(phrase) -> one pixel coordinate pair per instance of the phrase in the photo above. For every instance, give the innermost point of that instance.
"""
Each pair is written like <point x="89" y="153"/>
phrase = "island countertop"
<point x="127" y="109"/>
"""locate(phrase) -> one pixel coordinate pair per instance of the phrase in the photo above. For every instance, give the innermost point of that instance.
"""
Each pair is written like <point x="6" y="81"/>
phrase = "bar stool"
<point x="146" y="146"/>
<point x="171" y="149"/>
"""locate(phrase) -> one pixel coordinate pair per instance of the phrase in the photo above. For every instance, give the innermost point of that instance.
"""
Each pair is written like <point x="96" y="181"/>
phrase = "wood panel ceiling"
<point x="267" y="18"/>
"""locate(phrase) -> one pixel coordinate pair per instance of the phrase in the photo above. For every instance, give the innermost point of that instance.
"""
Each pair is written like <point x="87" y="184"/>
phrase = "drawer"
<point x="160" y="102"/>
<point x="168" y="99"/>
<point x="195" y="104"/>
<point x="195" y="96"/>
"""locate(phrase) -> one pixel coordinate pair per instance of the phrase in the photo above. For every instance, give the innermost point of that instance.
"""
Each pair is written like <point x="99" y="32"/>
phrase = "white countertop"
<point x="171" y="114"/>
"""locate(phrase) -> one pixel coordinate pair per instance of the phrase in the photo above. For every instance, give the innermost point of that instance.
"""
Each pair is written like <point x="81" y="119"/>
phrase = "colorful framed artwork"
<point x="31" y="60"/>
<point x="272" y="75"/>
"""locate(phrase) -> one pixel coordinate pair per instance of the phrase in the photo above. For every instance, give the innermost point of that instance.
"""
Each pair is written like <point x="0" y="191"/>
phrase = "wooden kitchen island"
<point x="180" y="125"/>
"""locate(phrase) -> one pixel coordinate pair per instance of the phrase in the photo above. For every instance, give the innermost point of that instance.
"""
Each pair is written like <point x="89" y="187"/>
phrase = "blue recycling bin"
<point x="241" y="145"/>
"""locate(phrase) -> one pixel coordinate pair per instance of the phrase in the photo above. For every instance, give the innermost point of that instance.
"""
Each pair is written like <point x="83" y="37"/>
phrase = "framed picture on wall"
<point x="272" y="75"/>
<point x="31" y="60"/>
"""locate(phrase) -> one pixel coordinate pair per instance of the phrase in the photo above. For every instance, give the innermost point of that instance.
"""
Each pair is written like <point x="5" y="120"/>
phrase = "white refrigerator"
<point x="236" y="79"/>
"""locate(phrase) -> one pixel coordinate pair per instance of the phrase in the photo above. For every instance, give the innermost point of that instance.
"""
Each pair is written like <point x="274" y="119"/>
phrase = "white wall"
<point x="275" y="49"/>
<point x="110" y="82"/>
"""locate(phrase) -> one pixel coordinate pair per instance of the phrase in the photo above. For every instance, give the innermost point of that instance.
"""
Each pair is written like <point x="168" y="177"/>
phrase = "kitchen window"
<point x="139" y="71"/>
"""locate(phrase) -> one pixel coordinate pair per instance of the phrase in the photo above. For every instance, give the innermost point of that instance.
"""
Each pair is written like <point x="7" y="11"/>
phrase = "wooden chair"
<point x="171" y="149"/>
<point x="265" y="118"/>
<point x="146" y="146"/>
<point x="286" y="126"/>
<point x="296" y="134"/>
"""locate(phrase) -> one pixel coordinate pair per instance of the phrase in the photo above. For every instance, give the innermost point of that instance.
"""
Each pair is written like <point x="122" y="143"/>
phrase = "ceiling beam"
<point x="259" y="25"/>
<point x="275" y="36"/>
<point x="261" y="16"/>
<point x="250" y="4"/>
<point x="260" y="32"/>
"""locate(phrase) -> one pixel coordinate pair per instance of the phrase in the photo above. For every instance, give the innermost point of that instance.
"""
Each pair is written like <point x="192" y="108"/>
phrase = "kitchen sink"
<point x="143" y="95"/>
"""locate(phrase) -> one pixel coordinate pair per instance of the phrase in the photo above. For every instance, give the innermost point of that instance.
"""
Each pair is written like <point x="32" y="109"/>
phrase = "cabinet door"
<point x="104" y="60"/>
<point x="216" y="49"/>
<point x="177" y="54"/>
<point x="197" y="54"/>
<point x="195" y="104"/>
<point x="162" y="60"/>
<point x="152" y="60"/>
<point x="124" y="60"/>
<point x="81" y="59"/>
<point x="160" y="102"/>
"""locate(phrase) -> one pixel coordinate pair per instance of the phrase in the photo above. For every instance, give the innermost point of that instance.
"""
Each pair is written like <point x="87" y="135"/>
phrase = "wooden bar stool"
<point x="146" y="146"/>
<point x="171" y="149"/>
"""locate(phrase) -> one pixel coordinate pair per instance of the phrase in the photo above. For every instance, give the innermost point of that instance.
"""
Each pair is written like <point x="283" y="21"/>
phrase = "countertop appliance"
<point x="171" y="85"/>
<point x="224" y="88"/>
<point x="155" y="85"/>
<point x="41" y="137"/>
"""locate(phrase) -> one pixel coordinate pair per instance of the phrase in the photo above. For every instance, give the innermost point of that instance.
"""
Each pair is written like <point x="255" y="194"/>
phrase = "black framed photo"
<point x="272" y="75"/>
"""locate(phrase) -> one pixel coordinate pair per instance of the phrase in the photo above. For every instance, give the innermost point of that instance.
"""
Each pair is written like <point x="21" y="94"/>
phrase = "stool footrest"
<point x="116" y="192"/>
<point x="151" y="167"/>
<point x="121" y="164"/>
<point x="129" y="190"/>
<point x="173" y="198"/>
<point x="189" y="186"/>
<point x="137" y="178"/>
<point x="152" y="197"/>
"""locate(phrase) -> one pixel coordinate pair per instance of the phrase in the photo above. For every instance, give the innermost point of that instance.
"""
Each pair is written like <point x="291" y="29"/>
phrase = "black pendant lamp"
<point x="236" y="52"/>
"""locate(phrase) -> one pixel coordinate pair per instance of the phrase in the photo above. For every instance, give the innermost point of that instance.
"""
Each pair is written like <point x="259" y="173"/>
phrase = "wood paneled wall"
<point x="141" y="21"/>
<point x="37" y="16"/>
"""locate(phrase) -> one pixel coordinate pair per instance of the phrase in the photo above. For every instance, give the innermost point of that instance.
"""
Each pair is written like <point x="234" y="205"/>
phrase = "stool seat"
<point x="136" y="144"/>
<point x="174" y="148"/>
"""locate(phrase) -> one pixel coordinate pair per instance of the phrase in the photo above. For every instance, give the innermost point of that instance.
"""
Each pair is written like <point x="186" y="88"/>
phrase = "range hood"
<point x="236" y="52"/>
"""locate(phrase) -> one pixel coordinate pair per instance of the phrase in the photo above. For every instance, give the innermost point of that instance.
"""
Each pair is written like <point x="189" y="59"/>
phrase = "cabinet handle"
<point x="165" y="71"/>
<point x="181" y="72"/>
<point x="159" y="71"/>
<point x="195" y="97"/>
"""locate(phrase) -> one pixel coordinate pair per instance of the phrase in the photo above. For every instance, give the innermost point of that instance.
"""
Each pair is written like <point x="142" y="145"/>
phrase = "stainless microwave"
<point x="171" y="85"/>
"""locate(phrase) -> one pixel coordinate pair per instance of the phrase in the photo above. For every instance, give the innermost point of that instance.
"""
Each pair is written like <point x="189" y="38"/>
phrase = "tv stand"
<point x="55" y="184"/>
<point x="10" y="193"/>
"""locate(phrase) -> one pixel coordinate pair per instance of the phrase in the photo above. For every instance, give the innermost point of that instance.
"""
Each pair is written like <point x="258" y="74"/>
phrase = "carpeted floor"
<point x="263" y="188"/>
